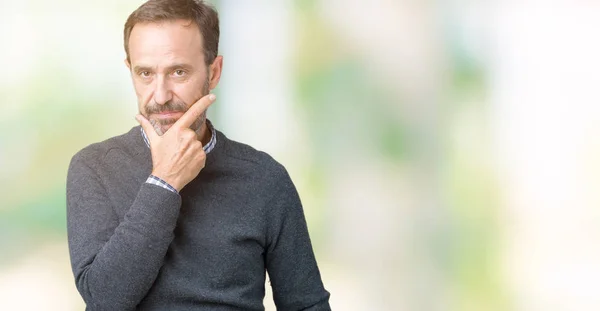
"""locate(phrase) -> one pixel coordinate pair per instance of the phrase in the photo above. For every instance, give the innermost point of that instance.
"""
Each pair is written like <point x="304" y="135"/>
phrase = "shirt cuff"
<point x="153" y="180"/>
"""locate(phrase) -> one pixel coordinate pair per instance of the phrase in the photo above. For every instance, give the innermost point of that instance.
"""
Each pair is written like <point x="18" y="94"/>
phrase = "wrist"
<point x="166" y="181"/>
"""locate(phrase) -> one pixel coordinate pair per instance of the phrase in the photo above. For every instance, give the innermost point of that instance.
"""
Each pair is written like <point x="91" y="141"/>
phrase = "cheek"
<point x="143" y="93"/>
<point x="188" y="92"/>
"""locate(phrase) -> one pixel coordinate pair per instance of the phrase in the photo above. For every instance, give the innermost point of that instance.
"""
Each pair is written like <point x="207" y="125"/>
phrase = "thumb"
<point x="147" y="126"/>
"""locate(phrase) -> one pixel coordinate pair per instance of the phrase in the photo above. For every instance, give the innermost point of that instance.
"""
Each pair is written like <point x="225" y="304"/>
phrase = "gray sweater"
<point x="137" y="246"/>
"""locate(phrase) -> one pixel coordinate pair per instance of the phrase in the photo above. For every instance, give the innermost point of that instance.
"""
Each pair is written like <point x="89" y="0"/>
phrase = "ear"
<point x="214" y="72"/>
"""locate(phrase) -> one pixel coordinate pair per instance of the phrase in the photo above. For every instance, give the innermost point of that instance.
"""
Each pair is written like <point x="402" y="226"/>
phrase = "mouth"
<point x="167" y="115"/>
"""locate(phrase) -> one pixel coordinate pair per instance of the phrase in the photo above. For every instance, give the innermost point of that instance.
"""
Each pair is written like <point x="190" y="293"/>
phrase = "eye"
<point x="145" y="74"/>
<point x="179" y="73"/>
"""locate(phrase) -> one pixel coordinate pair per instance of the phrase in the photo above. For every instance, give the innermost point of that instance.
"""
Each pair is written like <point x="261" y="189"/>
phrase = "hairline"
<point x="188" y="23"/>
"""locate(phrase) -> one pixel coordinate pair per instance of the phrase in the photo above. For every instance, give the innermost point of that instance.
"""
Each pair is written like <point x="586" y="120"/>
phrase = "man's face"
<point x="168" y="71"/>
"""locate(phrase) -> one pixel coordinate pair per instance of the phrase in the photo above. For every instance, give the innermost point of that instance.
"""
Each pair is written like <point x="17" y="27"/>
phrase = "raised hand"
<point x="177" y="155"/>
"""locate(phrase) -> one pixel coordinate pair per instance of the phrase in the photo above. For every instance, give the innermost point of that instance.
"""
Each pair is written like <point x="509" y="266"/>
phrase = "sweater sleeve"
<point x="291" y="263"/>
<point x="115" y="263"/>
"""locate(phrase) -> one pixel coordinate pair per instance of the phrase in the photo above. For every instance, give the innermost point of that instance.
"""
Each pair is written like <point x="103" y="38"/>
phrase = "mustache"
<point x="170" y="106"/>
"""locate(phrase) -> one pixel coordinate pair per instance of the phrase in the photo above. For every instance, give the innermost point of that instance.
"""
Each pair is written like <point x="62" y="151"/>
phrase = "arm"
<point x="115" y="264"/>
<point x="290" y="260"/>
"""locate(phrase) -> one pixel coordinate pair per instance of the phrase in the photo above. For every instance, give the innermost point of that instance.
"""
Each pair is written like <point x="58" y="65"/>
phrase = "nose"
<point x="162" y="91"/>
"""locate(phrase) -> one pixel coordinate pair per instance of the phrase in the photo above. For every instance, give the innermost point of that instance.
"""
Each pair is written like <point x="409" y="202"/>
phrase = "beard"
<point x="161" y="126"/>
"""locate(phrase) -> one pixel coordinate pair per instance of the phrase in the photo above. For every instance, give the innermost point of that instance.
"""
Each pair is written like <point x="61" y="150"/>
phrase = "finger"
<point x="195" y="111"/>
<point x="147" y="126"/>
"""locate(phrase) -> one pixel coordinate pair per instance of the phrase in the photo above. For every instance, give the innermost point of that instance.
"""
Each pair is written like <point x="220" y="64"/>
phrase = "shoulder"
<point x="95" y="153"/>
<point x="247" y="160"/>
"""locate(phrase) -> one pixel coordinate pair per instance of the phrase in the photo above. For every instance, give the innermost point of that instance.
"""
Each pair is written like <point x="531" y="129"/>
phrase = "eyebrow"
<point x="169" y="69"/>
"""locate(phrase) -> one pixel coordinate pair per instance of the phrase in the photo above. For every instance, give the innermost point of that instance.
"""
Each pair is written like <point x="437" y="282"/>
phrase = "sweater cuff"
<point x="156" y="206"/>
<point x="154" y="180"/>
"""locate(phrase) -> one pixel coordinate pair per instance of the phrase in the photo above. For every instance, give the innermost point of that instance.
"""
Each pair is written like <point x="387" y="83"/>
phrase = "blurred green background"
<point x="446" y="152"/>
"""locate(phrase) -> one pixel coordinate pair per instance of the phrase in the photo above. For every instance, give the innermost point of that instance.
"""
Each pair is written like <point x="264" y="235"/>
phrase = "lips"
<point x="168" y="114"/>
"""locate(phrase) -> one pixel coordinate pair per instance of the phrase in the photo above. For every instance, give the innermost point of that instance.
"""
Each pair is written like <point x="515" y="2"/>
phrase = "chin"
<point x="164" y="128"/>
<point x="161" y="127"/>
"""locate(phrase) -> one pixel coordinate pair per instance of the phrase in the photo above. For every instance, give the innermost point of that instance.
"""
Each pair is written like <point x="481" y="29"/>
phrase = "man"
<point x="173" y="215"/>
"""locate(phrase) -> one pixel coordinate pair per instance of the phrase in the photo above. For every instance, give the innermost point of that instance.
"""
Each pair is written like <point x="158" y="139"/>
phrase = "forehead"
<point x="168" y="41"/>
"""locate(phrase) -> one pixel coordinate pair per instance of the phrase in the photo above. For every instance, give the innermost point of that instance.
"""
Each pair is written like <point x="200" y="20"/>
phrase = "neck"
<point x="204" y="134"/>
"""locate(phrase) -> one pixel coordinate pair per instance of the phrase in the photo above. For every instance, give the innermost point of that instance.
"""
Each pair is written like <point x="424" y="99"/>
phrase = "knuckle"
<point x="188" y="134"/>
<point x="201" y="154"/>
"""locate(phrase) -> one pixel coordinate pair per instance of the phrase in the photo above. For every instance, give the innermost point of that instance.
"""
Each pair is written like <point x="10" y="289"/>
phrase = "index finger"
<point x="195" y="111"/>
